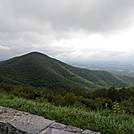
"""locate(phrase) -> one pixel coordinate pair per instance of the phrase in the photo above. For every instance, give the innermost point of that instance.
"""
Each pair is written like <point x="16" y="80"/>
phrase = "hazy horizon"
<point x="81" y="61"/>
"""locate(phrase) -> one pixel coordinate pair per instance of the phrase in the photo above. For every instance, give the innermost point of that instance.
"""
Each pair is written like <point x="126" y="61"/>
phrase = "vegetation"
<point x="100" y="99"/>
<point x="100" y="121"/>
<point x="39" y="70"/>
<point x="101" y="78"/>
<point x="83" y="98"/>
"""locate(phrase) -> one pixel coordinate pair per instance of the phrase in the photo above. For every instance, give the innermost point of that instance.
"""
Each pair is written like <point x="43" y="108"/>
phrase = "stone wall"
<point x="17" y="122"/>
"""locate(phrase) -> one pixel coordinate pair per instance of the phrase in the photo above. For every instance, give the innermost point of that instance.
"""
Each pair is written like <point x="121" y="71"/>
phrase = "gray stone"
<point x="17" y="122"/>
<point x="89" y="132"/>
<point x="73" y="129"/>
<point x="8" y="114"/>
<point x="58" y="131"/>
<point x="6" y="128"/>
<point x="31" y="123"/>
<point x="44" y="131"/>
<point x="58" y="125"/>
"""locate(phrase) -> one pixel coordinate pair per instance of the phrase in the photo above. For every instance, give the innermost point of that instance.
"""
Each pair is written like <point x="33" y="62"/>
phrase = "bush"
<point x="128" y="105"/>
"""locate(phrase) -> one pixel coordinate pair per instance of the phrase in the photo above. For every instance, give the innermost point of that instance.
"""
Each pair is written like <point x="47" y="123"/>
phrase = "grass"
<point x="100" y="121"/>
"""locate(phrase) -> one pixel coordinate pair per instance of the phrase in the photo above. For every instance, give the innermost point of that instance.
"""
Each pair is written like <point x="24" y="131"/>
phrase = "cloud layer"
<point x="40" y="24"/>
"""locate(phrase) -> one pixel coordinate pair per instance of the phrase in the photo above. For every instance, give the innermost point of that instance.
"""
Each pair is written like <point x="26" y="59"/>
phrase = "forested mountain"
<point x="39" y="70"/>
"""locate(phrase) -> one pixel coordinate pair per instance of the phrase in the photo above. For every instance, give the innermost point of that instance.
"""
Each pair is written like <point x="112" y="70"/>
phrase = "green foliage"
<point x="101" y="78"/>
<point x="102" y="103"/>
<point x="128" y="79"/>
<point x="69" y="99"/>
<point x="116" y="107"/>
<point x="128" y="105"/>
<point x="75" y="97"/>
<point x="98" y="99"/>
<point x="113" y="93"/>
<point x="38" y="70"/>
<point x="101" y="121"/>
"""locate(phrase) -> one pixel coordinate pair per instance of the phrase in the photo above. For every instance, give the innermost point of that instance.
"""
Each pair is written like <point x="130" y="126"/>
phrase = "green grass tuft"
<point x="100" y="121"/>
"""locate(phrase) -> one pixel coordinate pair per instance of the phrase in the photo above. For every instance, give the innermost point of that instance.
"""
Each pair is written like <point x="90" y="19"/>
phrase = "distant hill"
<point x="39" y="70"/>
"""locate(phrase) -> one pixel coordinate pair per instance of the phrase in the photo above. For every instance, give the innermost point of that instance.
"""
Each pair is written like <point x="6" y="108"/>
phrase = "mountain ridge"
<point x="40" y="70"/>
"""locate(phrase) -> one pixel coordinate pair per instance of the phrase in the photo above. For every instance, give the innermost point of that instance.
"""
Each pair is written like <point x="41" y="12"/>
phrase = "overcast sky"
<point x="68" y="29"/>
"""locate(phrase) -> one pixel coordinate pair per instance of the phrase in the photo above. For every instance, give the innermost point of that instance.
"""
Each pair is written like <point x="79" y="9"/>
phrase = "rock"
<point x="9" y="114"/>
<point x="31" y="123"/>
<point x="9" y="129"/>
<point x="57" y="131"/>
<point x="17" y="122"/>
<point x="73" y="129"/>
<point x="58" y="126"/>
<point x="89" y="132"/>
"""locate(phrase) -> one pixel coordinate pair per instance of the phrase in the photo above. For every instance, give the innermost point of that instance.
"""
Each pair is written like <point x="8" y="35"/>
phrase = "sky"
<point x="68" y="29"/>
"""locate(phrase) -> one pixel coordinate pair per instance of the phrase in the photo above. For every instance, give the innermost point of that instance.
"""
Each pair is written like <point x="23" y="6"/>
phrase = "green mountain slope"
<point x="39" y="70"/>
<point x="102" y="78"/>
<point x="128" y="79"/>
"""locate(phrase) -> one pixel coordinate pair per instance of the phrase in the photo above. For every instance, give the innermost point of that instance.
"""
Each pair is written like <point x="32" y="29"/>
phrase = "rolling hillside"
<point x="102" y="78"/>
<point x="39" y="70"/>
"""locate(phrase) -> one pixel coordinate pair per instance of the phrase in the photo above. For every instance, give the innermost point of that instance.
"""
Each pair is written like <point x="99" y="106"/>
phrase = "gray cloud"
<point x="90" y="15"/>
<point x="31" y="24"/>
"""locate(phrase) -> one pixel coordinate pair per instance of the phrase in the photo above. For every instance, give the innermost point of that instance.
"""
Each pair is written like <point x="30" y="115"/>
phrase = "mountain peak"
<point x="40" y="70"/>
<point x="36" y="53"/>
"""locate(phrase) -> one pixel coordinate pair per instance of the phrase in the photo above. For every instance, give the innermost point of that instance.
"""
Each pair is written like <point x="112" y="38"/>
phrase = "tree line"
<point x="112" y="99"/>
